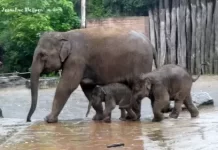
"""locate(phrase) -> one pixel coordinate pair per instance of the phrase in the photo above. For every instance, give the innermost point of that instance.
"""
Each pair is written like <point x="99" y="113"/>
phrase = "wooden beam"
<point x="173" y="32"/>
<point x="193" y="47"/>
<point x="216" y="38"/>
<point x="162" y="52"/>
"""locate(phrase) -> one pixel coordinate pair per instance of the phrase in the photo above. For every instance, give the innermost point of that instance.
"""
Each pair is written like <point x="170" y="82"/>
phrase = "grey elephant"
<point x="169" y="82"/>
<point x="89" y="57"/>
<point x="113" y="94"/>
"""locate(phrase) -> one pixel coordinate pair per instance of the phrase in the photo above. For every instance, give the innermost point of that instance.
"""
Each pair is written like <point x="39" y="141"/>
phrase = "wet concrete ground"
<point x="75" y="132"/>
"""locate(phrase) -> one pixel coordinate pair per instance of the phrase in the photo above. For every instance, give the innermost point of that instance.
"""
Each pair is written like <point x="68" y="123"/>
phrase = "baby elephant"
<point x="113" y="94"/>
<point x="169" y="82"/>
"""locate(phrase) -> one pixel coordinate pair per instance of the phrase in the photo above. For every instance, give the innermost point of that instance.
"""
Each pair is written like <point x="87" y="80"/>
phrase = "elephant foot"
<point x="122" y="119"/>
<point x="51" y="119"/>
<point x="167" y="109"/>
<point x="195" y="114"/>
<point x="158" y="118"/>
<point x="174" y="115"/>
<point x="98" y="117"/>
<point x="137" y="117"/>
<point x="107" y="120"/>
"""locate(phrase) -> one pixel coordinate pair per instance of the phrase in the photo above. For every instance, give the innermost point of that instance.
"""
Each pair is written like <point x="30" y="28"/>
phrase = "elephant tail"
<point x="89" y="107"/>
<point x="199" y="73"/>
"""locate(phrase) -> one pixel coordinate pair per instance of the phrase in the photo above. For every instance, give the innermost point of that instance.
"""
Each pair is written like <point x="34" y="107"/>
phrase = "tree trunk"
<point x="182" y="50"/>
<point x="208" y="31"/>
<point x="173" y="33"/>
<point x="83" y="13"/>
<point x="203" y="33"/>
<point x="167" y="7"/>
<point x="188" y="39"/>
<point x="193" y="47"/>
<point x="216" y="38"/>
<point x="198" y="36"/>
<point x="162" y="52"/>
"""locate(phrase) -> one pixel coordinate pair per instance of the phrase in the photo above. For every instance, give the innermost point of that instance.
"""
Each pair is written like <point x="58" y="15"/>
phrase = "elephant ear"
<point x="65" y="49"/>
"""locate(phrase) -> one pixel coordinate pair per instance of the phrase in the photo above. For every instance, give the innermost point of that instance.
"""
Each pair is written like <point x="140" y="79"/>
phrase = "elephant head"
<point x="98" y="95"/>
<point x="141" y="88"/>
<point x="50" y="54"/>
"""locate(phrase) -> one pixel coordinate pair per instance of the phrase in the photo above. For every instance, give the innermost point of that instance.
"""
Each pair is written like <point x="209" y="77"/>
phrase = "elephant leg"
<point x="132" y="114"/>
<point x="177" y="109"/>
<point x="64" y="89"/>
<point x="123" y="114"/>
<point x="87" y="89"/>
<point x="136" y="108"/>
<point x="1" y="114"/>
<point x="158" y="105"/>
<point x="110" y="104"/>
<point x="191" y="107"/>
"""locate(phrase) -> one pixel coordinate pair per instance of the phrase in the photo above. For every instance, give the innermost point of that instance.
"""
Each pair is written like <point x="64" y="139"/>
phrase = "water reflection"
<point x="183" y="133"/>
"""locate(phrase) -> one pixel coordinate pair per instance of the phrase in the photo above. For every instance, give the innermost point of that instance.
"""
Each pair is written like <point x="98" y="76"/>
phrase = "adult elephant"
<point x="89" y="57"/>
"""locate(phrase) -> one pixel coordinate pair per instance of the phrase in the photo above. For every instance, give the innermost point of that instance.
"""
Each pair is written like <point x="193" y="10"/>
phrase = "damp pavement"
<point x="76" y="132"/>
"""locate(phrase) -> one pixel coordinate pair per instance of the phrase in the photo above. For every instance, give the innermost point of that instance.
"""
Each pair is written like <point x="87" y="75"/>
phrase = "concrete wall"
<point x="140" y="24"/>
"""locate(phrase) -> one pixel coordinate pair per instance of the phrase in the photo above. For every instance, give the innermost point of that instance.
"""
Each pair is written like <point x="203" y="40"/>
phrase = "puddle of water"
<point x="183" y="133"/>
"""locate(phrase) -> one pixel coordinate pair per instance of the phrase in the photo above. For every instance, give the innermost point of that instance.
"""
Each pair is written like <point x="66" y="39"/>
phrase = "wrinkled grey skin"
<point x="169" y="82"/>
<point x="113" y="94"/>
<point x="89" y="57"/>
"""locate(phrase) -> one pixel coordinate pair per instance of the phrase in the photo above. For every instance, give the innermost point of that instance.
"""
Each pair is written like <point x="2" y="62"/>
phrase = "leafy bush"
<point x="21" y="26"/>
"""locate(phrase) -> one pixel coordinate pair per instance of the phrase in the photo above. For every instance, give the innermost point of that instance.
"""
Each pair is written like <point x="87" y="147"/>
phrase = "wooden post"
<point x="162" y="52"/>
<point x="193" y="47"/>
<point x="152" y="30"/>
<point x="178" y="32"/>
<point x="182" y="49"/>
<point x="188" y="37"/>
<point x="83" y="13"/>
<point x="167" y="7"/>
<point x="157" y="33"/>
<point x="173" y="32"/>
<point x="198" y="37"/>
<point x="212" y="47"/>
<point x="203" y="33"/>
<point x="216" y="38"/>
<point x="208" y="31"/>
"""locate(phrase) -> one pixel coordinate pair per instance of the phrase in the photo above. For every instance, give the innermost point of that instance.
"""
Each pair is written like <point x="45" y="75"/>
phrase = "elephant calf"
<point x="169" y="82"/>
<point x="113" y="94"/>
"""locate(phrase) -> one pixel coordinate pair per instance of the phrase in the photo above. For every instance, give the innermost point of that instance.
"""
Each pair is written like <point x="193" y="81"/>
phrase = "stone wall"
<point x="17" y="81"/>
<point x="140" y="24"/>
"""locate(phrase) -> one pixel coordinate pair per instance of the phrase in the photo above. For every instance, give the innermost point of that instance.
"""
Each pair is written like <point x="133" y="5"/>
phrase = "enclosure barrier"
<point x="185" y="32"/>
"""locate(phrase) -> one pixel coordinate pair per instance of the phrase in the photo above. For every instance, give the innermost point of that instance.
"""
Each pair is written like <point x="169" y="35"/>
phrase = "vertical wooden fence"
<point x="185" y="32"/>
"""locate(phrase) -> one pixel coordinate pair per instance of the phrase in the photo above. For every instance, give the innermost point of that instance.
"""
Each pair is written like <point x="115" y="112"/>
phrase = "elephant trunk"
<point x="34" y="82"/>
<point x="89" y="107"/>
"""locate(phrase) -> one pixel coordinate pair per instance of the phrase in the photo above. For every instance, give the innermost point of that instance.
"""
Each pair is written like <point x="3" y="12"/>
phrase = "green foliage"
<point x="109" y="8"/>
<point x="20" y="30"/>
